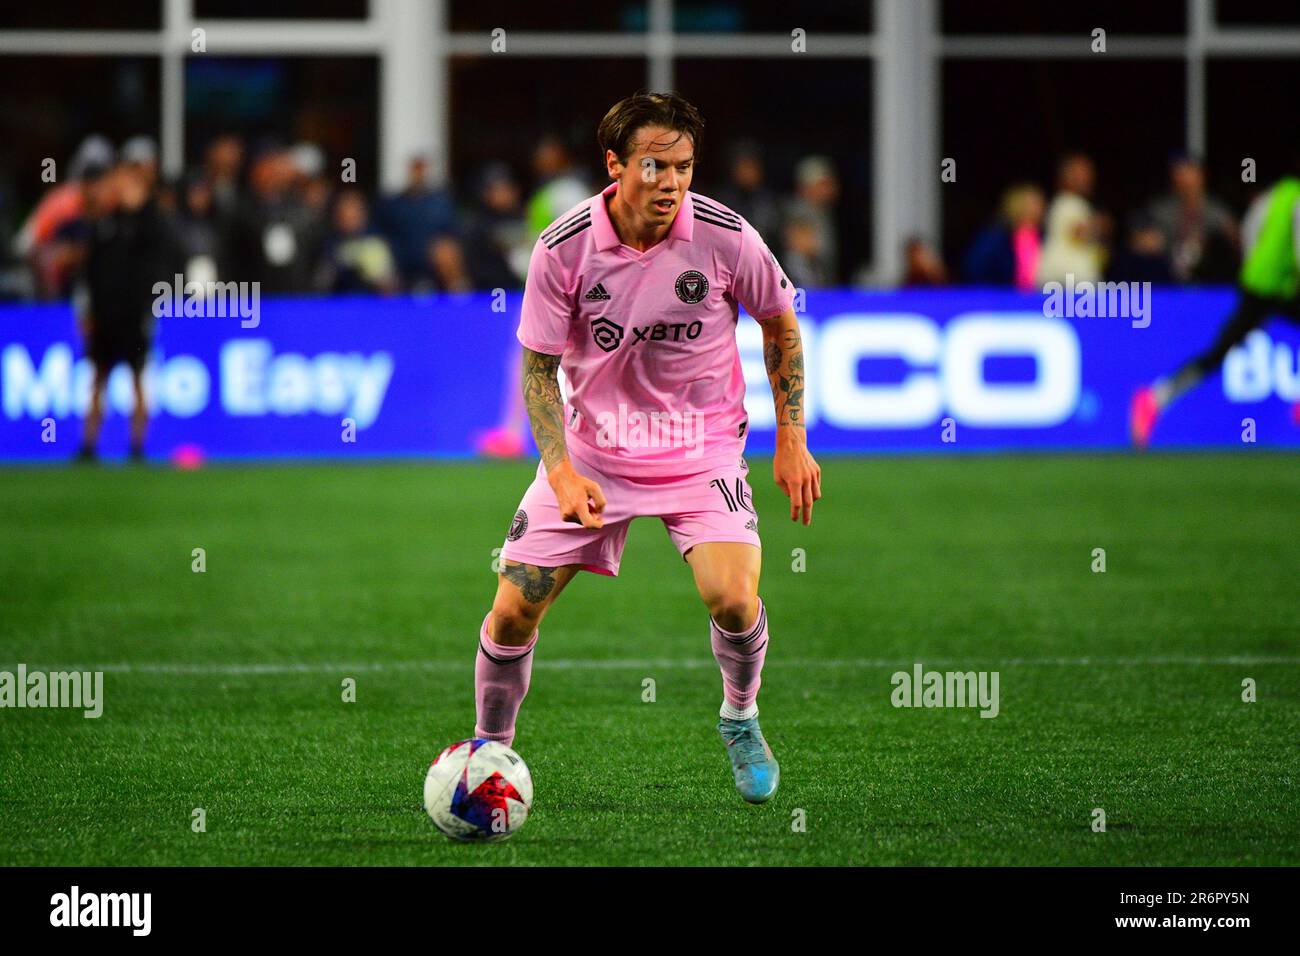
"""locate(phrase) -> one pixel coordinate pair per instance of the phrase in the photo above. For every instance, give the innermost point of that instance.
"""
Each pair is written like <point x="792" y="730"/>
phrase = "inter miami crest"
<point x="518" y="526"/>
<point x="606" y="333"/>
<point x="692" y="287"/>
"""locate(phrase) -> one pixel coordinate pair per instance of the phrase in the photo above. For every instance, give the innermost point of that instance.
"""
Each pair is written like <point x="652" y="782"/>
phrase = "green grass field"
<point x="1119" y="690"/>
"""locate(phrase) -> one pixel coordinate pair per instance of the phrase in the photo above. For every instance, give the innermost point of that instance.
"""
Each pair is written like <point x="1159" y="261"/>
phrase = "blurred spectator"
<point x="922" y="265"/>
<point x="140" y="153"/>
<point x="495" y="240"/>
<point x="278" y="222"/>
<point x="277" y="238"/>
<point x="746" y="192"/>
<point x="447" y="265"/>
<point x="1075" y="232"/>
<point x="196" y="231"/>
<point x="1145" y="255"/>
<point x="1006" y="252"/>
<point x="308" y="160"/>
<point x="52" y="256"/>
<point x="317" y="194"/>
<point x="313" y="187"/>
<point x="358" y="259"/>
<point x="223" y="168"/>
<point x="411" y="218"/>
<point x="223" y="165"/>
<point x="560" y="186"/>
<point x="817" y="190"/>
<point x="167" y="196"/>
<point x="1200" y="234"/>
<point x="804" y="258"/>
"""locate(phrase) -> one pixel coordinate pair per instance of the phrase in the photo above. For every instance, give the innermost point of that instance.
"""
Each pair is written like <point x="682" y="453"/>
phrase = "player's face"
<point x="657" y="174"/>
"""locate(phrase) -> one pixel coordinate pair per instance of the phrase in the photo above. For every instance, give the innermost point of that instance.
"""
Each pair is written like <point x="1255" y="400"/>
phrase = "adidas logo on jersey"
<point x="596" y="293"/>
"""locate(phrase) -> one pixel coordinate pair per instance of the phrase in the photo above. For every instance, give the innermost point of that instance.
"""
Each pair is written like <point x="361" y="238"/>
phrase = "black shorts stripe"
<point x="722" y="487"/>
<point x="586" y="223"/>
<point x="714" y="211"/>
<point x="715" y="222"/>
<point x="502" y="660"/>
<point x="584" y="211"/>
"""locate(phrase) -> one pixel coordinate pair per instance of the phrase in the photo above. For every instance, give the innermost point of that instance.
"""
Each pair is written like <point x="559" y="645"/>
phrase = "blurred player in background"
<point x="1269" y="282"/>
<point x="634" y="292"/>
<point x="127" y="250"/>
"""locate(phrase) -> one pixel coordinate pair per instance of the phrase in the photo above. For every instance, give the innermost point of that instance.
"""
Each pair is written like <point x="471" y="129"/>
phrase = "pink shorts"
<point x="712" y="506"/>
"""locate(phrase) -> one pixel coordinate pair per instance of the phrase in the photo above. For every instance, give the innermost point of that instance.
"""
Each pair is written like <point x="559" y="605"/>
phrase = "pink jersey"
<point x="648" y="339"/>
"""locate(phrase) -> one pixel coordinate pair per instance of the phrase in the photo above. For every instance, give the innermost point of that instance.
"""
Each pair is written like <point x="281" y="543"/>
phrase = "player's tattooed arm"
<point x="783" y="355"/>
<point x="795" y="470"/>
<point x="545" y="405"/>
<point x="580" y="499"/>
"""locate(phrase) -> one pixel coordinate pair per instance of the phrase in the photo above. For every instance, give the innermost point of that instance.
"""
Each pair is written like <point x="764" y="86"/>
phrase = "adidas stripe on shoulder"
<point x="715" y="215"/>
<point x="568" y="228"/>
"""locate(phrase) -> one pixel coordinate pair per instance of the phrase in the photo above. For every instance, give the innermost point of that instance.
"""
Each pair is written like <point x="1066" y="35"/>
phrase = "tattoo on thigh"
<point x="536" y="582"/>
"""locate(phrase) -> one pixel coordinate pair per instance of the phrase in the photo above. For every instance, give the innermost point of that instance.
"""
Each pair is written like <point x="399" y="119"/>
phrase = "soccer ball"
<point x="478" y="790"/>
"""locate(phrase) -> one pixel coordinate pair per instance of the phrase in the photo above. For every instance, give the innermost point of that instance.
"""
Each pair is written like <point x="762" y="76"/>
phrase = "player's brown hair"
<point x="625" y="117"/>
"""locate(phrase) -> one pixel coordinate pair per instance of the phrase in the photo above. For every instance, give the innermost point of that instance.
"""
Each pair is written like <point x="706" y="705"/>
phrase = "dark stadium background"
<point x="1122" y="688"/>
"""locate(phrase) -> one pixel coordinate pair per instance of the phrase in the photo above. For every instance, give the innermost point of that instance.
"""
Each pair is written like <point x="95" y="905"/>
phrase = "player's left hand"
<point x="797" y="472"/>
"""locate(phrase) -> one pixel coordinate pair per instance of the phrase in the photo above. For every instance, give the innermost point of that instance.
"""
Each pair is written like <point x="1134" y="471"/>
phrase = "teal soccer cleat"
<point x="756" y="770"/>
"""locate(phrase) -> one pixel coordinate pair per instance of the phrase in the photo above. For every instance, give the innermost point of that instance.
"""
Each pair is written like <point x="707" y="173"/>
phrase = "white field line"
<point x="705" y="663"/>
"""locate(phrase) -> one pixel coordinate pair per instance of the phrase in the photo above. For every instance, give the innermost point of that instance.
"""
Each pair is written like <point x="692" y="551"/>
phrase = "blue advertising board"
<point x="950" y="370"/>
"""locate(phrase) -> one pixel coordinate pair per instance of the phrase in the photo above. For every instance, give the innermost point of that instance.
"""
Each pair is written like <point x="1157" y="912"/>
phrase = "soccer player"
<point x="633" y="293"/>
<point x="1269" y="283"/>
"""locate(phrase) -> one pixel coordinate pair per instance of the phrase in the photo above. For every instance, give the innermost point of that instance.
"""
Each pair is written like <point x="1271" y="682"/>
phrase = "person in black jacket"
<point x="126" y="253"/>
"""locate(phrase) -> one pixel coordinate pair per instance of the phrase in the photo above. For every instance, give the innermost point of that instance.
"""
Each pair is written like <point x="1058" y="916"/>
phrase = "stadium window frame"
<point x="906" y="48"/>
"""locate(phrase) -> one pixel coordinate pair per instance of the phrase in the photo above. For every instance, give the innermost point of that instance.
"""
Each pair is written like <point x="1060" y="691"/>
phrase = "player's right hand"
<point x="581" y="500"/>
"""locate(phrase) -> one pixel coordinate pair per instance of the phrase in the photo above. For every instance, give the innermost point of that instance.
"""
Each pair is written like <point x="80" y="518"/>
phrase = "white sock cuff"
<point x="731" y="713"/>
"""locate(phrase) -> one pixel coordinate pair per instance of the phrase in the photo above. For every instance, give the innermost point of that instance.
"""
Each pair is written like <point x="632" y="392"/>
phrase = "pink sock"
<point x="741" y="658"/>
<point x="500" y="682"/>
